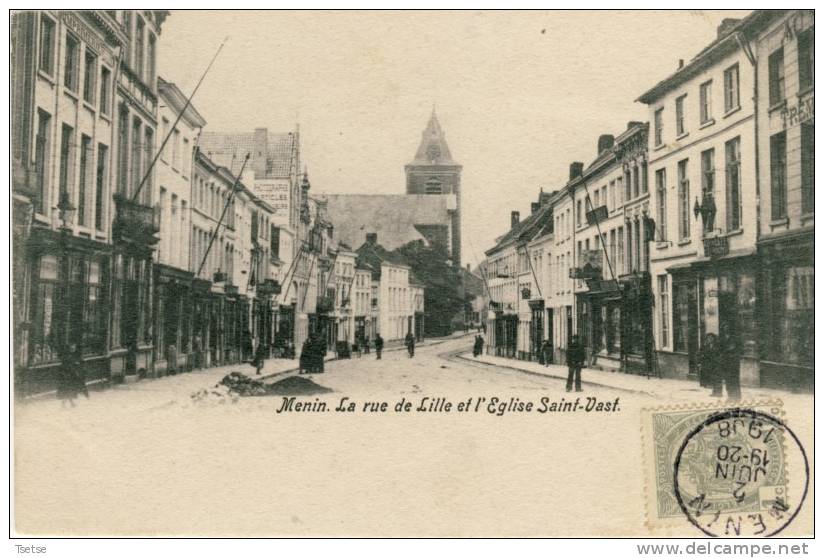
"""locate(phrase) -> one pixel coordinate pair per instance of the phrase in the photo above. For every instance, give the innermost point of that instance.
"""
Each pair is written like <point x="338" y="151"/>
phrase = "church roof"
<point x="228" y="150"/>
<point x="433" y="149"/>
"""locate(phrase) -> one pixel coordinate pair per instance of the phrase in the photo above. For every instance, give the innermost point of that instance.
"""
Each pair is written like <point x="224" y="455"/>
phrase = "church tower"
<point x="434" y="172"/>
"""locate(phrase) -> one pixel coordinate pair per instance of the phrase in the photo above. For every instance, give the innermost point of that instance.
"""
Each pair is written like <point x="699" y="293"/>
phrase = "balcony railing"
<point x="135" y="222"/>
<point x="597" y="215"/>
<point x="325" y="304"/>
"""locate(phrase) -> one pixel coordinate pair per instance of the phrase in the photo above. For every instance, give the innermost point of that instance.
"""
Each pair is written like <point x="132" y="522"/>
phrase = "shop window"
<point x="94" y="315"/>
<point x="663" y="302"/>
<point x="682" y="293"/>
<point x="44" y="339"/>
<point x="791" y="317"/>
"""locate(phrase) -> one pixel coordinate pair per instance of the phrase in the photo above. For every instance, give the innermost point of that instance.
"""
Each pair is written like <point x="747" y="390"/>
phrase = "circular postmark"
<point x="731" y="475"/>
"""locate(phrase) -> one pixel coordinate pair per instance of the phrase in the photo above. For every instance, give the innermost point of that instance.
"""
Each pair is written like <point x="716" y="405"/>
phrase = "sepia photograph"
<point x="413" y="274"/>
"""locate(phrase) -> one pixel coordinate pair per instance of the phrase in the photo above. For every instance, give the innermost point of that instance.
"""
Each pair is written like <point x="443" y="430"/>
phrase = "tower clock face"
<point x="433" y="152"/>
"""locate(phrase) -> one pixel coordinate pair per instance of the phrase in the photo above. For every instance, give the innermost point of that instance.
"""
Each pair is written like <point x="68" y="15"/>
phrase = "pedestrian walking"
<point x="356" y="348"/>
<point x="366" y="343"/>
<point x="548" y="352"/>
<point x="378" y="345"/>
<point x="478" y="349"/>
<point x="575" y="361"/>
<point x="260" y="357"/>
<point x="71" y="381"/>
<point x="410" y="344"/>
<point x="305" y="362"/>
<point x="730" y="362"/>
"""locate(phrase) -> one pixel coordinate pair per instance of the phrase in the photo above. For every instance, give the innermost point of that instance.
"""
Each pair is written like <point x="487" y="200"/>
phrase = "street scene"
<point x="296" y="284"/>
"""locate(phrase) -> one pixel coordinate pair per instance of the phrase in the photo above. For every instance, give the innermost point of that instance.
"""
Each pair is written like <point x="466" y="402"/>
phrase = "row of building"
<point x="153" y="245"/>
<point x="699" y="220"/>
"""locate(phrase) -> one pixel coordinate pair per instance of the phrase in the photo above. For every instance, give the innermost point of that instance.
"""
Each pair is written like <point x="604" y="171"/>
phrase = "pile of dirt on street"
<point x="243" y="385"/>
<point x="218" y="394"/>
<point x="296" y="385"/>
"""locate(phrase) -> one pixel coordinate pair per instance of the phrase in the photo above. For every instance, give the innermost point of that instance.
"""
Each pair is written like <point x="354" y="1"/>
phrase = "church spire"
<point x="433" y="149"/>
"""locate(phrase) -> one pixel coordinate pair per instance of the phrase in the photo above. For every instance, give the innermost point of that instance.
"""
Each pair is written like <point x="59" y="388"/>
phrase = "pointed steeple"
<point x="433" y="149"/>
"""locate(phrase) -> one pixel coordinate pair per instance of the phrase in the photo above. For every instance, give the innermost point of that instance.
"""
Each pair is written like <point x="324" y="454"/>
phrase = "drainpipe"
<point x="745" y="47"/>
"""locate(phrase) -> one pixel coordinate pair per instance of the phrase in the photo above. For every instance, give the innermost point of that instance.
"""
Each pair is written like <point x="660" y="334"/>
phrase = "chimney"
<point x="727" y="24"/>
<point x="260" y="149"/>
<point x="516" y="216"/>
<point x="535" y="207"/>
<point x="605" y="141"/>
<point x="680" y="63"/>
<point x="467" y="268"/>
<point x="372" y="238"/>
<point x="576" y="169"/>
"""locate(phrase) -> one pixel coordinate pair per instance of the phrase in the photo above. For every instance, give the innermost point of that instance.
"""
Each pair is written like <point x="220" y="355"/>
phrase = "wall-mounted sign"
<point x="802" y="111"/>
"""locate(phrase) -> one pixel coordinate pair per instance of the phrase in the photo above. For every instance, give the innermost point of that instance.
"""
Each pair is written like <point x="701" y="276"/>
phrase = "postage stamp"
<point x="728" y="471"/>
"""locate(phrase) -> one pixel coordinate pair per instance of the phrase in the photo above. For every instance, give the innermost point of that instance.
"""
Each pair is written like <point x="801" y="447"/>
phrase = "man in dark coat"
<point x="709" y="373"/>
<point x="730" y="362"/>
<point x="575" y="361"/>
<point x="409" y="340"/>
<point x="547" y="350"/>
<point x="378" y="345"/>
<point x="71" y="381"/>
<point x="260" y="357"/>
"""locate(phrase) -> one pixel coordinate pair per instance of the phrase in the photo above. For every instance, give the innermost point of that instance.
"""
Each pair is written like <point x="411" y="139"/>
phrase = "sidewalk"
<point x="664" y="388"/>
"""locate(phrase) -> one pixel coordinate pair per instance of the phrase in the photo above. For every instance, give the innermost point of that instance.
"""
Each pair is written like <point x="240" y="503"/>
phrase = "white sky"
<point x="520" y="95"/>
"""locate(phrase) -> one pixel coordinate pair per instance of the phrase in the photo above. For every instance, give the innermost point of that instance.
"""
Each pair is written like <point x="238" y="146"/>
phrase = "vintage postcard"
<point x="412" y="273"/>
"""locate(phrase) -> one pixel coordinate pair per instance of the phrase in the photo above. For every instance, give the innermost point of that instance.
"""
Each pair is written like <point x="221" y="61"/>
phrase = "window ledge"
<point x="684" y="241"/>
<point x="707" y="124"/>
<point x="89" y="106"/>
<point x="732" y="111"/>
<point x="662" y="244"/>
<point x="47" y="77"/>
<point x="735" y="232"/>
<point x="783" y="222"/>
<point x="659" y="147"/>
<point x="778" y="105"/>
<point x="809" y="216"/>
<point x="682" y="136"/>
<point x="802" y="92"/>
<point x="71" y="94"/>
<point x="104" y="116"/>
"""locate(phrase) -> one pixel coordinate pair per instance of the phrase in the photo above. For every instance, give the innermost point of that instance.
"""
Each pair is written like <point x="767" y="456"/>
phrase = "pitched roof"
<point x="229" y="149"/>
<point x="397" y="218"/>
<point x="372" y="255"/>
<point x="535" y="224"/>
<point x="433" y="149"/>
<point x="723" y="44"/>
